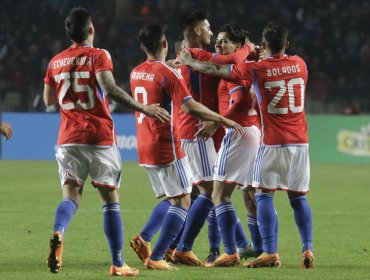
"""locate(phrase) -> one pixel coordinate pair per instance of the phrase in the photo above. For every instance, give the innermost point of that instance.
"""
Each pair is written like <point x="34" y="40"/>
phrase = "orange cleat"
<point x="123" y="270"/>
<point x="225" y="260"/>
<point x="141" y="247"/>
<point x="159" y="265"/>
<point x="187" y="257"/>
<point x="265" y="260"/>
<point x="55" y="252"/>
<point x="307" y="259"/>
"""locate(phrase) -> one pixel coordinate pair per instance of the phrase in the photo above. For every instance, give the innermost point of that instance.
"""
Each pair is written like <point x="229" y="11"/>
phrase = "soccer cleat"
<point x="247" y="252"/>
<point x="159" y="265"/>
<point x="141" y="247"/>
<point x="123" y="270"/>
<point x="225" y="260"/>
<point x="307" y="259"/>
<point x="214" y="253"/>
<point x="168" y="256"/>
<point x="265" y="260"/>
<point x="187" y="257"/>
<point x="55" y="252"/>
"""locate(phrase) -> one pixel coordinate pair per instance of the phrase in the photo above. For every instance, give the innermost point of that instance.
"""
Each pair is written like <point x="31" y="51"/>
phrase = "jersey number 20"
<point x="283" y="88"/>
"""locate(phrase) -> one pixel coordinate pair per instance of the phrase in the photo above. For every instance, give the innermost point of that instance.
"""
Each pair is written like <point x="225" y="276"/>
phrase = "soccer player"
<point x="6" y="130"/>
<point x="282" y="160"/>
<point x="201" y="153"/>
<point x="237" y="154"/>
<point x="158" y="143"/>
<point x="80" y="79"/>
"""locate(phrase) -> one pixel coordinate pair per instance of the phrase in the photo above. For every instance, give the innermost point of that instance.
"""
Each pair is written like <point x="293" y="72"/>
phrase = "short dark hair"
<point x="275" y="35"/>
<point x="191" y="19"/>
<point x="150" y="37"/>
<point x="235" y="33"/>
<point x="77" y="24"/>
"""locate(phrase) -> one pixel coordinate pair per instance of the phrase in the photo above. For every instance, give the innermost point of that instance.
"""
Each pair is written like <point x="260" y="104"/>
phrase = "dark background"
<point x="332" y="37"/>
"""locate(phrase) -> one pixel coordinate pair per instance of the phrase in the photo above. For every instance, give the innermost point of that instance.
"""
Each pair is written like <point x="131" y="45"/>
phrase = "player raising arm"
<point x="283" y="159"/>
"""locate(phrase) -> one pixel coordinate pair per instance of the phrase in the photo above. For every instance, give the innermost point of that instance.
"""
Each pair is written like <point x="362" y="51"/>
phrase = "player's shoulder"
<point x="99" y="51"/>
<point x="296" y="58"/>
<point x="170" y="72"/>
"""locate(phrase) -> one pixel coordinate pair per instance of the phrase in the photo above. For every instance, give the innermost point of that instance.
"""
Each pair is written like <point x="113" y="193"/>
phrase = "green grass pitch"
<point x="30" y="192"/>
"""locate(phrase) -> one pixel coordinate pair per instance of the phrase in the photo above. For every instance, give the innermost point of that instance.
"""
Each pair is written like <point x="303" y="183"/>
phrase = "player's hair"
<point x="191" y="19"/>
<point x="150" y="37"/>
<point x="275" y="35"/>
<point x="235" y="33"/>
<point x="77" y="24"/>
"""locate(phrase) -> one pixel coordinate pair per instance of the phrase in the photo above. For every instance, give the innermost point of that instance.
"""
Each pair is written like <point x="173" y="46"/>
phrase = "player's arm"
<point x="201" y="112"/>
<point x="6" y="130"/>
<point x="106" y="82"/>
<point x="50" y="96"/>
<point x="213" y="69"/>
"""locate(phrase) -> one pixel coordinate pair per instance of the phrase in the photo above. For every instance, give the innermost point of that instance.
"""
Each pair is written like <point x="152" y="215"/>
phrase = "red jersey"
<point x="280" y="85"/>
<point x="236" y="102"/>
<point x="84" y="107"/>
<point x="154" y="82"/>
<point x="203" y="88"/>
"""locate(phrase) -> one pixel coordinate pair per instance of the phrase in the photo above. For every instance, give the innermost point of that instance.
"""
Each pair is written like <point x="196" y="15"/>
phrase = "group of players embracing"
<point x="194" y="157"/>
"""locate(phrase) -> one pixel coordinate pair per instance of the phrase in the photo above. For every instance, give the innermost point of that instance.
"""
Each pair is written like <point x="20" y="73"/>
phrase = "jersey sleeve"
<point x="238" y="93"/>
<point x="242" y="71"/>
<point x="233" y="58"/>
<point x="49" y="80"/>
<point x="175" y="86"/>
<point x="102" y="61"/>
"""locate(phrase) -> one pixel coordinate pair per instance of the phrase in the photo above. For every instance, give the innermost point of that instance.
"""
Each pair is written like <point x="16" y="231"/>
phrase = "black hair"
<point x="191" y="19"/>
<point x="77" y="24"/>
<point x="150" y="37"/>
<point x="275" y="35"/>
<point x="235" y="33"/>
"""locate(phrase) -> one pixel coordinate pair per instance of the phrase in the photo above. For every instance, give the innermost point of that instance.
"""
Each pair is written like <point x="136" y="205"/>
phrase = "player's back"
<point x="280" y="84"/>
<point x="83" y="105"/>
<point x="154" y="82"/>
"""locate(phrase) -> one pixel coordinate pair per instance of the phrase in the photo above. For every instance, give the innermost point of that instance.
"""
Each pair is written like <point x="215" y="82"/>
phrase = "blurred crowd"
<point x="332" y="36"/>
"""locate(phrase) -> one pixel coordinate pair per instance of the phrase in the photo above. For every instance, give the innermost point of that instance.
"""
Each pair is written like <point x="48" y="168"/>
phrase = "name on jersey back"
<point x="142" y="76"/>
<point x="283" y="70"/>
<point x="83" y="60"/>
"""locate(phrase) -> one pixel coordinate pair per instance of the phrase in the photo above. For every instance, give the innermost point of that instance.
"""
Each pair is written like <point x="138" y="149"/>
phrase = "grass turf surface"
<point x="30" y="192"/>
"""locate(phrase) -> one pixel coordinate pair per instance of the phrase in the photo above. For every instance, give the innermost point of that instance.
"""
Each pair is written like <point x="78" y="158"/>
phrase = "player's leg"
<point x="141" y="242"/>
<point x="214" y="237"/>
<point x="176" y="182"/>
<point x="226" y="220"/>
<point x="113" y="229"/>
<point x="298" y="186"/>
<point x="303" y="219"/>
<point x="265" y="178"/>
<point x="72" y="172"/>
<point x="105" y="171"/>
<point x="250" y="205"/>
<point x="203" y="156"/>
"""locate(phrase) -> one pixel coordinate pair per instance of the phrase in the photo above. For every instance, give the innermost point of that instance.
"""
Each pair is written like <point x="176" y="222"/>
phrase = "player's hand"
<point x="185" y="57"/>
<point x="260" y="54"/>
<point x="174" y="63"/>
<point x="6" y="130"/>
<point x="153" y="110"/>
<point x="251" y="46"/>
<point x="231" y="124"/>
<point x="206" y="129"/>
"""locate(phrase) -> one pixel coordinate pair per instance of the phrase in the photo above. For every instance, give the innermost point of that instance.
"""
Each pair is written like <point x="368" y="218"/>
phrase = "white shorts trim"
<point x="236" y="157"/>
<point x="103" y="164"/>
<point x="171" y="181"/>
<point x="282" y="168"/>
<point x="201" y="155"/>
